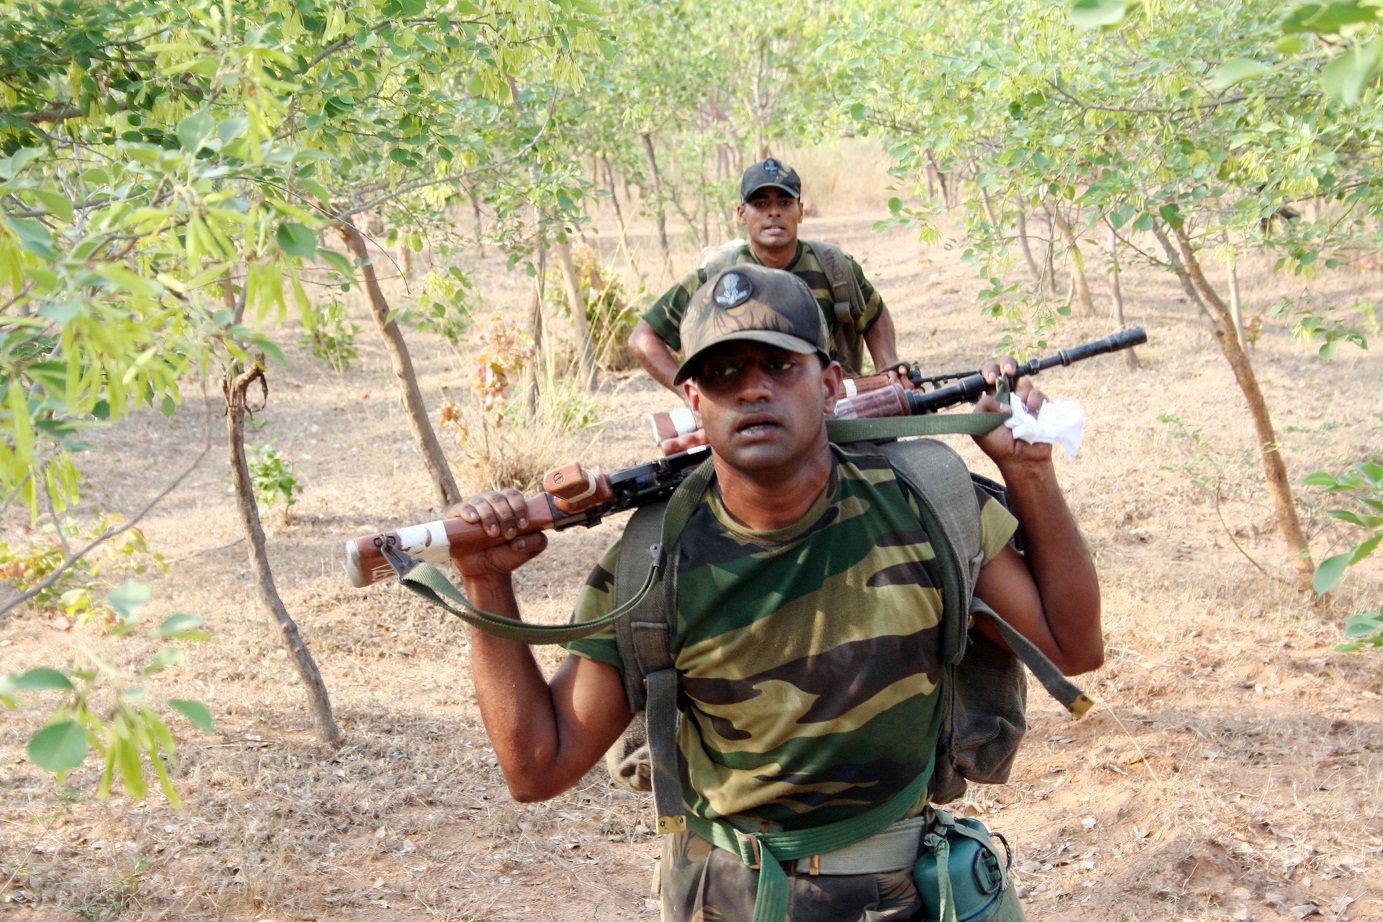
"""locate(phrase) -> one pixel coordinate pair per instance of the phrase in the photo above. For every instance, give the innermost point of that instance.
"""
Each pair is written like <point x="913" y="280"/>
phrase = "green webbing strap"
<point x="896" y="427"/>
<point x="768" y="850"/>
<point x="427" y="581"/>
<point x="1058" y="686"/>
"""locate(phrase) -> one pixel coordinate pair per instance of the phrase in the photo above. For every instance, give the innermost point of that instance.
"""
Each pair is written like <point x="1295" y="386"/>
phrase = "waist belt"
<point x="893" y="849"/>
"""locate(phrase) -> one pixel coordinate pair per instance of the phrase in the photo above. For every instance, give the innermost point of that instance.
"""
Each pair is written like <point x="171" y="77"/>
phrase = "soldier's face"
<point x="763" y="408"/>
<point x="771" y="217"/>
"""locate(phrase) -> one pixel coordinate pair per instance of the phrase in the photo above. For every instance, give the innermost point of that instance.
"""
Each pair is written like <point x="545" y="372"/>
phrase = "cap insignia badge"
<point x="770" y="165"/>
<point x="734" y="289"/>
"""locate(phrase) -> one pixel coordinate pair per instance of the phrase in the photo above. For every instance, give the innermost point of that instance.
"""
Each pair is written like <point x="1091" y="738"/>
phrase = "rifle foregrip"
<point x="434" y="542"/>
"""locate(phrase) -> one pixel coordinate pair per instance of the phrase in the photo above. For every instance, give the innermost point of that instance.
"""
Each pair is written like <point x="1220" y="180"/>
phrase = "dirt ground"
<point x="1233" y="768"/>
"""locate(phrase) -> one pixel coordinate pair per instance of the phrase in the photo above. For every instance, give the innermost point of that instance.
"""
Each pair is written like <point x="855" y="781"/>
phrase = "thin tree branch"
<point x="70" y="560"/>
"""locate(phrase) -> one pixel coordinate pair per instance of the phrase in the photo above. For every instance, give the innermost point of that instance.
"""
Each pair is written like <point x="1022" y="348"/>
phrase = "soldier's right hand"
<point x="503" y="516"/>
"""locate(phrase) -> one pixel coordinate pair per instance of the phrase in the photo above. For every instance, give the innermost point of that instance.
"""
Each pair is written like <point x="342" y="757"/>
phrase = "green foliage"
<point x="1362" y="631"/>
<point x="272" y="476"/>
<point x="1363" y="487"/>
<point x="1220" y="473"/>
<point x="446" y="305"/>
<point x="76" y="590"/>
<point x="102" y="708"/>
<point x="331" y="336"/>
<point x="610" y="314"/>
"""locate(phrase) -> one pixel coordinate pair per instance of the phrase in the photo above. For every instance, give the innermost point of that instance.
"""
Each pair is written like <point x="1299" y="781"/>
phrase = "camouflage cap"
<point x="752" y="302"/>
<point x="767" y="173"/>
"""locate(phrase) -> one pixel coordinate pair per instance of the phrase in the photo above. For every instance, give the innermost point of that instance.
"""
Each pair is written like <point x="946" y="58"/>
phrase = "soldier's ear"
<point x="693" y="398"/>
<point x="833" y="384"/>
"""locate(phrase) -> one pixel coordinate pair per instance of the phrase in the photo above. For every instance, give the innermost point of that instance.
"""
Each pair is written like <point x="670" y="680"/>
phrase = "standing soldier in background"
<point x="770" y="210"/>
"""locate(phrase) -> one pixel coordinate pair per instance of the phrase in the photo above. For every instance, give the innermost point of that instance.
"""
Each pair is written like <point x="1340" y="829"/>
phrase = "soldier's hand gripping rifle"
<point x="571" y="496"/>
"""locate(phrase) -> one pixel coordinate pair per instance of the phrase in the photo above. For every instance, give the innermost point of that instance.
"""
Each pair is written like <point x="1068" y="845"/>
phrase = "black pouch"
<point x="976" y="886"/>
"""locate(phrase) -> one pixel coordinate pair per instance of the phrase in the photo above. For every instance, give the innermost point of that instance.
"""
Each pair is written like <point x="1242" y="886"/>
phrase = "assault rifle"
<point x="873" y="396"/>
<point x="572" y="496"/>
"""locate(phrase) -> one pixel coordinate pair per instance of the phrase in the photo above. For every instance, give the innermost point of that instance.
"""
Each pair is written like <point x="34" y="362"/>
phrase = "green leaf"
<point x="166" y="657"/>
<point x="39" y="679"/>
<point x="339" y="261"/>
<point x="58" y="204"/>
<point x="1098" y="14"/>
<point x="14" y="164"/>
<point x="178" y="626"/>
<point x="195" y="130"/>
<point x="1237" y="70"/>
<point x="1347" y="76"/>
<point x="194" y="711"/>
<point x="1330" y="571"/>
<point x="59" y="747"/>
<point x="1328" y="16"/>
<point x="297" y="239"/>
<point x="128" y="598"/>
<point x="34" y="237"/>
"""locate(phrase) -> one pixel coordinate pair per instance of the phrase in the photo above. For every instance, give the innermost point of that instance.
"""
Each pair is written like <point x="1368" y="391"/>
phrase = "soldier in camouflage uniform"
<point x="770" y="210"/>
<point x="808" y="603"/>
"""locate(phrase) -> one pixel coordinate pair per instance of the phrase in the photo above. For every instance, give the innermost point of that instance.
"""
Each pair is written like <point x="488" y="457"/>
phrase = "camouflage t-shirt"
<point x="808" y="656"/>
<point x="665" y="316"/>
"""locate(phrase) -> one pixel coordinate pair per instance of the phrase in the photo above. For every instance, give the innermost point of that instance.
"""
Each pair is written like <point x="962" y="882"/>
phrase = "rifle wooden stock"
<point x="571" y="496"/>
<point x="567" y="490"/>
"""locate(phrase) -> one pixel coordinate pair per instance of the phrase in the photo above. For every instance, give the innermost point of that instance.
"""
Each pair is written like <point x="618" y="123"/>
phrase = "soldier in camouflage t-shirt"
<point x="770" y="210"/>
<point x="806" y="620"/>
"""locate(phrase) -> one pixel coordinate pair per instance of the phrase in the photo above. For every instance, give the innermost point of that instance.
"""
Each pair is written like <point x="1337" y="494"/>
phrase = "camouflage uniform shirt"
<point x="808" y="656"/>
<point x="665" y="316"/>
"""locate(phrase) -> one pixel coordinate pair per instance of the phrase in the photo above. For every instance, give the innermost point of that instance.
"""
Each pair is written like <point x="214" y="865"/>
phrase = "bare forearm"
<point x="515" y="699"/>
<point x="1060" y="564"/>
<point x="882" y="342"/>
<point x="654" y="355"/>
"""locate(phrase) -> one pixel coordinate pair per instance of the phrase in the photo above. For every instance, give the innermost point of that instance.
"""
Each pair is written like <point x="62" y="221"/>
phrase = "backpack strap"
<point x="946" y="493"/>
<point x="845" y="288"/>
<point x="951" y="517"/>
<point x="715" y="260"/>
<point x="645" y="636"/>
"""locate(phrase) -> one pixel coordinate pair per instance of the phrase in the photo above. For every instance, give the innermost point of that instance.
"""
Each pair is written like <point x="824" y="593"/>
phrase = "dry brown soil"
<point x="1232" y="770"/>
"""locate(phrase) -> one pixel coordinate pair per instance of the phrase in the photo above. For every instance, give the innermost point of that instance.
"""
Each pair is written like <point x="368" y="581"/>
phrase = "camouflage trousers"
<point x="698" y="882"/>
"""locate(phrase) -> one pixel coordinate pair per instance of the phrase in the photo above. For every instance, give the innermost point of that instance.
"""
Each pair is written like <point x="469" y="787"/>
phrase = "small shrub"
<point x="272" y="477"/>
<point x="503" y="446"/>
<point x="609" y="312"/>
<point x="332" y="337"/>
<point x="76" y="593"/>
<point x="446" y="305"/>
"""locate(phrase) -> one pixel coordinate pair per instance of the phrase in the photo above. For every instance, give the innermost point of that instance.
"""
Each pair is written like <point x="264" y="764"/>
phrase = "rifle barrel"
<point x="972" y="387"/>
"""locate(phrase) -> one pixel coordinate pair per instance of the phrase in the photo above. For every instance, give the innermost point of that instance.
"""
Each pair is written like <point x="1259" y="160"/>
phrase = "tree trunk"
<point x="414" y="407"/>
<point x="1279" y="487"/>
<point x="1117" y="295"/>
<point x="1026" y="246"/>
<point x="1049" y="257"/>
<point x="572" y="279"/>
<point x="619" y="220"/>
<point x="1076" y="262"/>
<point x="236" y="384"/>
<point x="1236" y="312"/>
<point x="660" y="211"/>
<point x="535" y="327"/>
<point x="477" y="225"/>
<point x="1174" y="260"/>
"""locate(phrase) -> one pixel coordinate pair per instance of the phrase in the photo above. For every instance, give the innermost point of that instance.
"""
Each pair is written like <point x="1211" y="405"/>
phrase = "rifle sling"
<point x="428" y="582"/>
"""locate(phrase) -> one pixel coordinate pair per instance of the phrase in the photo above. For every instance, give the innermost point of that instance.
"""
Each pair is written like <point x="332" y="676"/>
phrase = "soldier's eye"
<point x="720" y="369"/>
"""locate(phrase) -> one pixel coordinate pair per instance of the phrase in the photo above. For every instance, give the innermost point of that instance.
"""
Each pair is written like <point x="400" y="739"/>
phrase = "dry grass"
<point x="1231" y="771"/>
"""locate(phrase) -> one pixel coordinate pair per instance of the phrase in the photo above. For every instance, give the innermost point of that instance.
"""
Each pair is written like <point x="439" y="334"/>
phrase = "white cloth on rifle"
<point x="1058" y="422"/>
